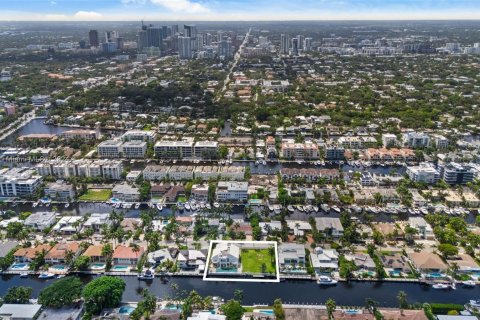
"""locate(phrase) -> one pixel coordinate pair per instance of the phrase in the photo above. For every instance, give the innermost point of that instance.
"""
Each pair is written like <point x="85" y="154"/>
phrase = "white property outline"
<point x="210" y="249"/>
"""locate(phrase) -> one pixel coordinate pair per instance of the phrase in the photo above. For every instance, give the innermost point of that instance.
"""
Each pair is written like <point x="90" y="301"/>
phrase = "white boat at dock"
<point x="326" y="281"/>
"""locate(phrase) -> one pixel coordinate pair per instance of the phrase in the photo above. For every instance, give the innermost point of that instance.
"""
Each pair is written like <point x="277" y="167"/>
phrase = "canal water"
<point x="291" y="292"/>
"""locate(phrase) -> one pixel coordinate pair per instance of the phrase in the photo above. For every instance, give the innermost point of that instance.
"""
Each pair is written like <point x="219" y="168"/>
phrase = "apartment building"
<point x="206" y="149"/>
<point x="106" y="168"/>
<point x="300" y="151"/>
<point x="349" y="142"/>
<point x="139" y="135"/>
<point x="110" y="149"/>
<point x="18" y="182"/>
<point x="60" y="191"/>
<point x="414" y="139"/>
<point x="232" y="191"/>
<point x="424" y="172"/>
<point x="389" y="140"/>
<point x="134" y="149"/>
<point x="174" y="149"/>
<point x="155" y="172"/>
<point x="334" y="152"/>
<point x="456" y="173"/>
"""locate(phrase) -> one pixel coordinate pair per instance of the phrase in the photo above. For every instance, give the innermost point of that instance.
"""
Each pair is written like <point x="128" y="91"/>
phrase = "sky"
<point x="237" y="10"/>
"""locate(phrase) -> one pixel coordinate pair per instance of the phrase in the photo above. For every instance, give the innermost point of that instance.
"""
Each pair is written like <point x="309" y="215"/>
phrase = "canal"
<point x="291" y="292"/>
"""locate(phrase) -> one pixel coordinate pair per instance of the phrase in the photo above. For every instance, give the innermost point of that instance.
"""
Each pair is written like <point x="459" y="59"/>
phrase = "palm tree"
<point x="331" y="306"/>
<point x="238" y="295"/>
<point x="402" y="301"/>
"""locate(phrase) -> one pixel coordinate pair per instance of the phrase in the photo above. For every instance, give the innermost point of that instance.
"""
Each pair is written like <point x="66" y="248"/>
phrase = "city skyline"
<point x="235" y="10"/>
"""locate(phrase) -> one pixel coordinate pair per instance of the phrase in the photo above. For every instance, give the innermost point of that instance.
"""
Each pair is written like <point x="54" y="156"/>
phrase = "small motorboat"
<point x="24" y="275"/>
<point x="216" y="205"/>
<point x="290" y="208"/>
<point x="469" y="283"/>
<point x="441" y="286"/>
<point x="46" y="275"/>
<point x="147" y="275"/>
<point x="67" y="205"/>
<point x="137" y="205"/>
<point x="187" y="206"/>
<point x="159" y="207"/>
<point x="326" y="281"/>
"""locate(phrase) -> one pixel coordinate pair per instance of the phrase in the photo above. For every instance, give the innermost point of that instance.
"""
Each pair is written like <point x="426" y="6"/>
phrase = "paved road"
<point x="234" y="64"/>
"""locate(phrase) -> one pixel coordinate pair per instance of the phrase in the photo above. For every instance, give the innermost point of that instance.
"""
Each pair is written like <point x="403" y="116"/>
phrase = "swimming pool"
<point x="352" y="311"/>
<point x="19" y="266"/>
<point x="97" y="266"/>
<point x="435" y="275"/>
<point x="126" y="310"/>
<point x="266" y="311"/>
<point x="58" y="267"/>
<point x="172" y="307"/>
<point x="395" y="273"/>
<point x="120" y="268"/>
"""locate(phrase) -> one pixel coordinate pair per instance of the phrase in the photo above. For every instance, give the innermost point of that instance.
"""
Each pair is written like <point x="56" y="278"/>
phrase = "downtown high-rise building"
<point x="308" y="44"/>
<point x="93" y="38"/>
<point x="225" y="48"/>
<point x="295" y="47"/>
<point x="301" y="42"/>
<point x="284" y="44"/>
<point x="185" y="48"/>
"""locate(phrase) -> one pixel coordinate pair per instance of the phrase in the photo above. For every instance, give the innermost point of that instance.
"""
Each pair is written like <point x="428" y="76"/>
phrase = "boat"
<point x="300" y="208"/>
<point x="137" y="205"/>
<point x="264" y="162"/>
<point x="208" y="206"/>
<point x="270" y="207"/>
<point x="256" y="163"/>
<point x="216" y="205"/>
<point x="441" y="286"/>
<point x="469" y="283"/>
<point x="315" y="208"/>
<point x="35" y="204"/>
<point x="147" y="275"/>
<point x="277" y="208"/>
<point x="159" y="207"/>
<point x="325" y="207"/>
<point x="180" y="206"/>
<point x="193" y="206"/>
<point x="24" y="275"/>
<point x="326" y="281"/>
<point x="59" y="276"/>
<point x="475" y="303"/>
<point x="46" y="275"/>
<point x="67" y="205"/>
<point x="187" y="206"/>
<point x="336" y="209"/>
<point x="290" y="208"/>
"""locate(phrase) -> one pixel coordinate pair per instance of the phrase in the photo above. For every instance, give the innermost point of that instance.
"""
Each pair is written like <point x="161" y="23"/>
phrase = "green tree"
<point x="238" y="295"/>
<point x="19" y="295"/>
<point x="278" y="310"/>
<point x="402" y="301"/>
<point x="331" y="306"/>
<point x="448" y="250"/>
<point x="82" y="263"/>
<point x="233" y="310"/>
<point x="103" y="292"/>
<point x="61" y="293"/>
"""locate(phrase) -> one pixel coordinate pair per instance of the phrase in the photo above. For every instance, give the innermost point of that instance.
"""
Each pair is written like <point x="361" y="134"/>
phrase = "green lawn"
<point x="252" y="261"/>
<point x="96" y="195"/>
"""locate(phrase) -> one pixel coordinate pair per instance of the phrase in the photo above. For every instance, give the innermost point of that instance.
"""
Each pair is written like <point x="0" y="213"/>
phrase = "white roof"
<point x="20" y="311"/>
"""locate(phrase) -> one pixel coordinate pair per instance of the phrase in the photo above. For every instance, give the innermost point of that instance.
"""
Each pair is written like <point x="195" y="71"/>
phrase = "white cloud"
<point x="138" y="2"/>
<point x="87" y="15"/>
<point x="181" y="5"/>
<point x="52" y="3"/>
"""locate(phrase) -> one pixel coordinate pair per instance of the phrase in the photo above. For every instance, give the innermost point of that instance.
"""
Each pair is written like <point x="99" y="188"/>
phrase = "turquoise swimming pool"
<point x="97" y="266"/>
<point x="120" y="268"/>
<point x="435" y="275"/>
<point x="126" y="310"/>
<point x="226" y="270"/>
<point x="58" y="267"/>
<point x="19" y="266"/>
<point x="267" y="311"/>
<point x="172" y="307"/>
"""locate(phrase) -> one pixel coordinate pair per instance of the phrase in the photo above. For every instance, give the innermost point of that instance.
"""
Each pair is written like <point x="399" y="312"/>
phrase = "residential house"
<point x="226" y="255"/>
<point x="24" y="255"/>
<point x="40" y="220"/>
<point x="96" y="221"/>
<point x="395" y="262"/>
<point x="191" y="260"/>
<point x="126" y="193"/>
<point x="329" y="226"/>
<point x="157" y="257"/>
<point x="465" y="264"/>
<point x="94" y="252"/>
<point x="427" y="262"/>
<point x="324" y="260"/>
<point x="127" y="256"/>
<point x="424" y="230"/>
<point x="291" y="255"/>
<point x="68" y="225"/>
<point x="59" y="253"/>
<point x="362" y="261"/>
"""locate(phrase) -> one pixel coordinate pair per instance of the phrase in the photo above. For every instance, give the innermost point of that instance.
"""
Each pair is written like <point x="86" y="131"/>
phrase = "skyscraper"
<point x="301" y="40"/>
<point x="93" y="38"/>
<point x="284" y="44"/>
<point x="154" y="36"/>
<point x="111" y="36"/>
<point x="225" y="48"/>
<point x="190" y="30"/>
<point x="142" y="40"/>
<point x="308" y="44"/>
<point x="295" y="46"/>
<point x="184" y="47"/>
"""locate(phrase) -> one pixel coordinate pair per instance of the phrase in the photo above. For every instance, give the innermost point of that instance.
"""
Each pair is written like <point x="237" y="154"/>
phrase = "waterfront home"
<point x="232" y="191"/>
<point x="96" y="221"/>
<point x="424" y="230"/>
<point x="68" y="225"/>
<point x="60" y="191"/>
<point x="362" y="261"/>
<point x="298" y="227"/>
<point x="199" y="192"/>
<point x="40" y="220"/>
<point x="226" y="255"/>
<point x="59" y="253"/>
<point x="242" y="227"/>
<point x="24" y="255"/>
<point x="395" y="262"/>
<point x="174" y="192"/>
<point x="191" y="259"/>
<point x="126" y="193"/>
<point x="20" y="311"/>
<point x="465" y="264"/>
<point x="329" y="226"/>
<point x="127" y="256"/>
<point x="291" y="256"/>
<point x="324" y="260"/>
<point x="427" y="262"/>
<point x="94" y="252"/>
<point x="130" y="224"/>
<point x="206" y="315"/>
<point x="268" y="227"/>
<point x="157" y="257"/>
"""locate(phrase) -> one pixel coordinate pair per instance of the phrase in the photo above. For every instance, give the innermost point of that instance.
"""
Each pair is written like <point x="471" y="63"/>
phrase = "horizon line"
<point x="243" y="20"/>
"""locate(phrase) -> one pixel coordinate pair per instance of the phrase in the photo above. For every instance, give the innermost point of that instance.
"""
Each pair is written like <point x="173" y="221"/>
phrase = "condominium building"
<point x="389" y="140"/>
<point x="414" y="139"/>
<point x="110" y="149"/>
<point x="126" y="193"/>
<point x="141" y="135"/>
<point x="357" y="142"/>
<point x="18" y="182"/>
<point x="174" y="149"/>
<point x="155" y="172"/>
<point x="134" y="149"/>
<point x="439" y="141"/>
<point x="424" y="172"/>
<point x="456" y="173"/>
<point x="333" y="152"/>
<point x="106" y="168"/>
<point x="206" y="149"/>
<point x="60" y="191"/>
<point x="232" y="191"/>
<point x="300" y="151"/>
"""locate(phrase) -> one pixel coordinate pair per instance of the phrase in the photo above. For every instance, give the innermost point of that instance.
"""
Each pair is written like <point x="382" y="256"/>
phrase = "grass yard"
<point x="254" y="260"/>
<point x="96" y="195"/>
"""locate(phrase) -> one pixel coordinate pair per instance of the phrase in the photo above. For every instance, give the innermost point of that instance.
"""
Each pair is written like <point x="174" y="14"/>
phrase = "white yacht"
<point x="147" y="275"/>
<point x="326" y="281"/>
